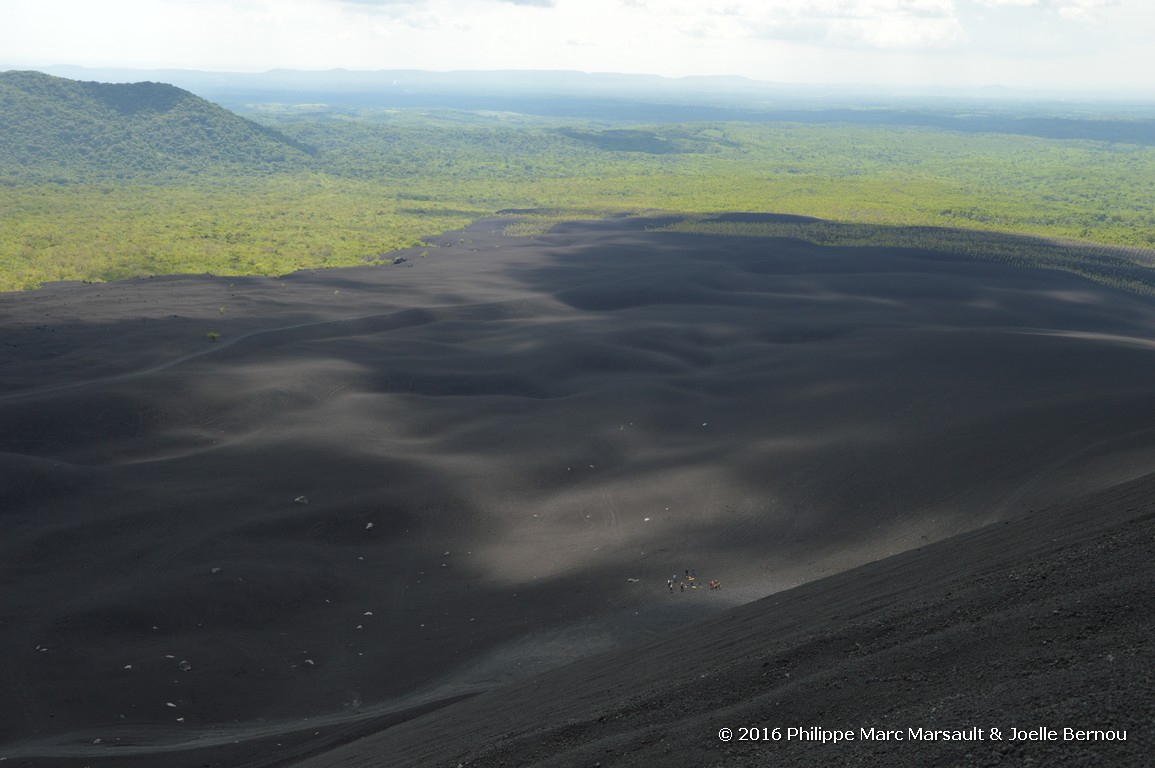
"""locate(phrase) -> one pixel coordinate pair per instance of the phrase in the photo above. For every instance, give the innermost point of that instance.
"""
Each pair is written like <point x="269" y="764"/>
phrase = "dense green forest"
<point x="68" y="131"/>
<point x="101" y="182"/>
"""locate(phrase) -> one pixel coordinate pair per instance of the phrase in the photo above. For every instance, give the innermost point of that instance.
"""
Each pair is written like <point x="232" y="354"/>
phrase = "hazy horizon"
<point x="1056" y="46"/>
<point x="226" y="86"/>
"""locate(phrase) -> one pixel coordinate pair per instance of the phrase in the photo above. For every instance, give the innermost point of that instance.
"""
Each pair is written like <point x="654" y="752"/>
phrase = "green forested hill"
<point x="57" y="129"/>
<point x="102" y="182"/>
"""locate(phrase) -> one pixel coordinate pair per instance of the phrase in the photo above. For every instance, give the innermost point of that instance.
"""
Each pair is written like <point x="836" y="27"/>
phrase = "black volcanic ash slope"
<point x="507" y="448"/>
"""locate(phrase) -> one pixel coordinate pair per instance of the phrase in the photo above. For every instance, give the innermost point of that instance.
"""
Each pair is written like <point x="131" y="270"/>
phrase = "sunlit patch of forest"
<point x="375" y="182"/>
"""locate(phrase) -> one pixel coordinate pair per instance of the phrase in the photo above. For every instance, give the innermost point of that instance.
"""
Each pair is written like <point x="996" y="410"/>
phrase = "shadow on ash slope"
<point x="385" y="486"/>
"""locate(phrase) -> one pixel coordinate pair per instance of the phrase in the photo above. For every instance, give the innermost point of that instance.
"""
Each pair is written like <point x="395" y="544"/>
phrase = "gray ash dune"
<point x="386" y="488"/>
<point x="1038" y="628"/>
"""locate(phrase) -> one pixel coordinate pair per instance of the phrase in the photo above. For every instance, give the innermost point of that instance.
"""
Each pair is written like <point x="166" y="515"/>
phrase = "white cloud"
<point x="883" y="24"/>
<point x="1009" y="3"/>
<point x="981" y="41"/>
<point x="1085" y="10"/>
<point x="887" y="24"/>
<point x="1076" y="10"/>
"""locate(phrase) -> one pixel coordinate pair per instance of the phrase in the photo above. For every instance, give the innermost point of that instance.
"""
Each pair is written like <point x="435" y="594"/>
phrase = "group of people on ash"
<point x="689" y="581"/>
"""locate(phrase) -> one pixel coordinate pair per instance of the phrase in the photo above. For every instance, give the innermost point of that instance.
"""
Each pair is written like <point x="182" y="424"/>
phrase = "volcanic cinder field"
<point x="247" y="521"/>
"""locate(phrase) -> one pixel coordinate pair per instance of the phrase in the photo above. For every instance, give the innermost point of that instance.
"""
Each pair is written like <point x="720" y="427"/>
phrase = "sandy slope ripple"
<point x="389" y="485"/>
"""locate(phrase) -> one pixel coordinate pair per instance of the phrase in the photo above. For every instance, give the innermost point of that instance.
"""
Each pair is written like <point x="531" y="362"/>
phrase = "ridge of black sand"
<point x="278" y="749"/>
<point x="1041" y="621"/>
<point x="506" y="448"/>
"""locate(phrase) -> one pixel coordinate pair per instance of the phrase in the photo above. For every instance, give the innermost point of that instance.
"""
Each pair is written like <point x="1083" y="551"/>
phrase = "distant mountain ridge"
<point x="53" y="128"/>
<point x="626" y="98"/>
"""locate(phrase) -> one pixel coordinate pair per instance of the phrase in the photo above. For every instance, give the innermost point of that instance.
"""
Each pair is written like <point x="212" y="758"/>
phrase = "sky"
<point x="1059" y="45"/>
